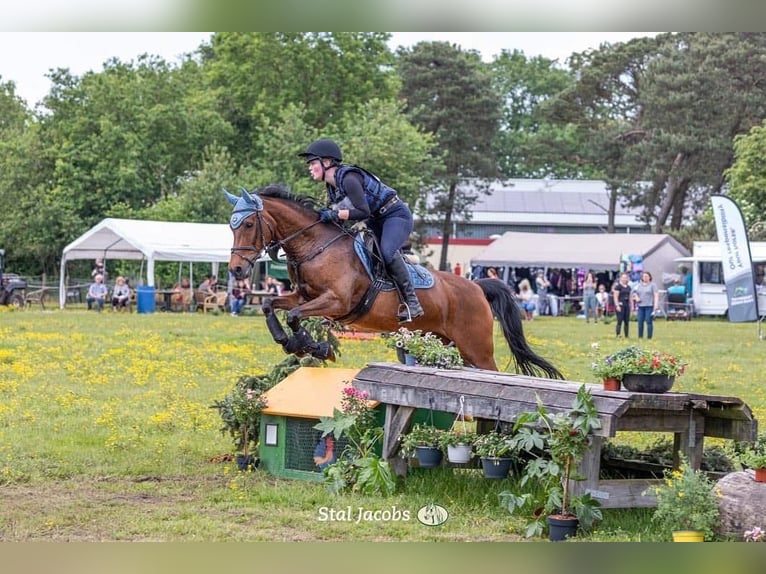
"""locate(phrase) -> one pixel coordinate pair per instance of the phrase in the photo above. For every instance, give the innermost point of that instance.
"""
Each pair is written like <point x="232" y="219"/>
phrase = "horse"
<point x="330" y="281"/>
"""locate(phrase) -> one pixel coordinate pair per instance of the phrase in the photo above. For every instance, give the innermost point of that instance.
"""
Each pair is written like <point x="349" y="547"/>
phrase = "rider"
<point x="356" y="194"/>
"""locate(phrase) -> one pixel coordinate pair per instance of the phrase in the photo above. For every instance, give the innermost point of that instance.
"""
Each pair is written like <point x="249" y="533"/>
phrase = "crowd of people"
<point x="592" y="296"/>
<point x="121" y="295"/>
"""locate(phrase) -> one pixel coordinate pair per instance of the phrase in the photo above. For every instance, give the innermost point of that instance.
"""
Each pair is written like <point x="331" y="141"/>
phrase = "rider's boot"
<point x="410" y="308"/>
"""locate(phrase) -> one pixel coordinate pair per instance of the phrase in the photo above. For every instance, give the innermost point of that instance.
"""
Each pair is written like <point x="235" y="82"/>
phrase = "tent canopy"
<point x="598" y="251"/>
<point x="150" y="240"/>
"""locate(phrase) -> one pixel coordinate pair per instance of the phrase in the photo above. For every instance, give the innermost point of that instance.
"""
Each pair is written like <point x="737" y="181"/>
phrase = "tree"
<point x="700" y="93"/>
<point x="603" y="108"/>
<point x="259" y="75"/>
<point x="529" y="145"/>
<point x="128" y="134"/>
<point x="747" y="175"/>
<point x="449" y="93"/>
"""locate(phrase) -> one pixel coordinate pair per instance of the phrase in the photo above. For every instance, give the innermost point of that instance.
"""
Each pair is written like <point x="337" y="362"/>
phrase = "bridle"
<point x="274" y="244"/>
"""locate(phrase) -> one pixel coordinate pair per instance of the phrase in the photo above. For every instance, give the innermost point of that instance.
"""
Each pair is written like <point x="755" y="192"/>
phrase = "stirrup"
<point x="405" y="315"/>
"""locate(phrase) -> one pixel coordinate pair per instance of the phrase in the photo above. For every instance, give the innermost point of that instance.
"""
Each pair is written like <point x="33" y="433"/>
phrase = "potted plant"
<point x="495" y="451"/>
<point x="556" y="444"/>
<point x="423" y="441"/>
<point x="687" y="504"/>
<point x="458" y="444"/>
<point x="753" y="455"/>
<point x="640" y="370"/>
<point x="241" y="411"/>
<point x="424" y="348"/>
<point x="609" y="370"/>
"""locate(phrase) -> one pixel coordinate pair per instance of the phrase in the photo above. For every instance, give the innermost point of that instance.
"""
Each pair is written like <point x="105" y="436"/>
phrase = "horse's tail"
<point x="506" y="311"/>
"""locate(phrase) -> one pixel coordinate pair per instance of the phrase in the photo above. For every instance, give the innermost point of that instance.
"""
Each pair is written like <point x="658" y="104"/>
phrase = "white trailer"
<point x="708" y="286"/>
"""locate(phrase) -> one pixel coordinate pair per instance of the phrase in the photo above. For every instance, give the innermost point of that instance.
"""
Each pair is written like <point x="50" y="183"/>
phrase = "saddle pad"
<point x="420" y="276"/>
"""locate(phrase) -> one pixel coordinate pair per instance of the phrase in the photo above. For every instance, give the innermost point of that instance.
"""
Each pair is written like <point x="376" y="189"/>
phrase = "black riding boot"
<point x="410" y="308"/>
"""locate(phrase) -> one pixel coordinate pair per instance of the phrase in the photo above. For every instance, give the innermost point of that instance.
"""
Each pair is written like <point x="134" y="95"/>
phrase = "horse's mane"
<point x="283" y="192"/>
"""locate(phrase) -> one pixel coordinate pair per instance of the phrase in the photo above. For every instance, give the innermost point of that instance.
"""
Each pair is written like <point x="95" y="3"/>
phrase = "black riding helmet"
<point x="322" y="148"/>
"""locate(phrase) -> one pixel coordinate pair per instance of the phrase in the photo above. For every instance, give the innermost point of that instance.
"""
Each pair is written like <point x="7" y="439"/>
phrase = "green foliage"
<point x="686" y="500"/>
<point x="428" y="349"/>
<point x="359" y="467"/>
<point x="634" y="360"/>
<point x="494" y="445"/>
<point x="751" y="454"/>
<point x="420" y="435"/>
<point x="558" y="442"/>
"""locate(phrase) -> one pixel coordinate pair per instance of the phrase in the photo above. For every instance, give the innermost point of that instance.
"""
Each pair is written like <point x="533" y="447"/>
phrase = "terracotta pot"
<point x="611" y="384"/>
<point x="760" y="475"/>
<point x="688" y="536"/>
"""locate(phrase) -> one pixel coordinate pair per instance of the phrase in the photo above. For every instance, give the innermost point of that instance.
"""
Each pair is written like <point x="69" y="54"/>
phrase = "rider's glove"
<point x="327" y="215"/>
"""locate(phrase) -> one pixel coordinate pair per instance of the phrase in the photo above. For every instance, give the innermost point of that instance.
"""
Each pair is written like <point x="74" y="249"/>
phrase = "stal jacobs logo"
<point x="429" y="515"/>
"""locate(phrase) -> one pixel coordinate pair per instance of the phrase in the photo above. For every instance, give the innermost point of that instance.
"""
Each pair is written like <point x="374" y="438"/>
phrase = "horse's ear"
<point x="230" y="197"/>
<point x="252" y="198"/>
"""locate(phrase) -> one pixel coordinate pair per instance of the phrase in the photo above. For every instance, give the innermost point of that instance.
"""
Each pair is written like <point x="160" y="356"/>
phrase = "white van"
<point x="708" y="286"/>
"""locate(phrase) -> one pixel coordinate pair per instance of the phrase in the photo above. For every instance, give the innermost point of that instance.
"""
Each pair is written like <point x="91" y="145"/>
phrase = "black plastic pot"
<point x="561" y="527"/>
<point x="496" y="468"/>
<point x="428" y="457"/>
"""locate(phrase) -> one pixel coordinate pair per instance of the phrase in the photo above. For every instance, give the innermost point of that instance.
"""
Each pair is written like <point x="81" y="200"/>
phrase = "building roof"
<point x="570" y="250"/>
<point x="551" y="202"/>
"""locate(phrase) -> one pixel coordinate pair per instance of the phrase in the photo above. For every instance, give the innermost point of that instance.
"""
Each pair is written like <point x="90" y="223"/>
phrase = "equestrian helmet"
<point x="322" y="148"/>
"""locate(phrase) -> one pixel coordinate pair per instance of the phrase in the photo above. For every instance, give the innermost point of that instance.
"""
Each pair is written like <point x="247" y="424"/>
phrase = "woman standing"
<point x="621" y="294"/>
<point x="589" y="297"/>
<point x="647" y="297"/>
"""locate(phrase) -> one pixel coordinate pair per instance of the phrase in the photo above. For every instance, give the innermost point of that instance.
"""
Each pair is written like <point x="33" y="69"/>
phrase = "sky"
<point x="26" y="57"/>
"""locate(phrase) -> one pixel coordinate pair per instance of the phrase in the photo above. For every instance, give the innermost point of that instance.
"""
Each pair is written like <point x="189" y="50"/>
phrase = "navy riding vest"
<point x="376" y="192"/>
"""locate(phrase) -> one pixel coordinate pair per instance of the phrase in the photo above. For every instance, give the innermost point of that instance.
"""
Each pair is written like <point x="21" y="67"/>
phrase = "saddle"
<point x="367" y="249"/>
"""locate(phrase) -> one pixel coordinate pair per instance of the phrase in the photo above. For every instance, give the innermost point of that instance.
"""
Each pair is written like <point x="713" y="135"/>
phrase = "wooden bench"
<point x="491" y="396"/>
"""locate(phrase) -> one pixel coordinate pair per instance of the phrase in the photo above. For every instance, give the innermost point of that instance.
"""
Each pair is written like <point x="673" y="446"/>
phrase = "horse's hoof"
<point x="324" y="352"/>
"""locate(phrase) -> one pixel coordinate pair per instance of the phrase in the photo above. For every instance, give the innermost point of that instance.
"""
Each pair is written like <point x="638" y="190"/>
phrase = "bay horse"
<point x="330" y="280"/>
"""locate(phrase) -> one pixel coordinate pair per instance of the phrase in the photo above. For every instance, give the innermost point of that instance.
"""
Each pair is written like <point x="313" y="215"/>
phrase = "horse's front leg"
<point x="272" y="321"/>
<point x="321" y="306"/>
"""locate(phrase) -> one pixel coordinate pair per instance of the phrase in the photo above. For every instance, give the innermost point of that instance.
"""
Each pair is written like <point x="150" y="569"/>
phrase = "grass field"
<point x="106" y="430"/>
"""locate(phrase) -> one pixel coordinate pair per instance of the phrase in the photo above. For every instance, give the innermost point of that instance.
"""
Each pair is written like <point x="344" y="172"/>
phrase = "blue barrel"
<point x="145" y="299"/>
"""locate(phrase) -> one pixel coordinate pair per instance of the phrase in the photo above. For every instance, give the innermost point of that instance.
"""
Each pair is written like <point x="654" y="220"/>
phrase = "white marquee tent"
<point x="149" y="240"/>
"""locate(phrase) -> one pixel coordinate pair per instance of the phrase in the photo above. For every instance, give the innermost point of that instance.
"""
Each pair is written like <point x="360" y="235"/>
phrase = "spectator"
<point x="120" y="295"/>
<point x="273" y="286"/>
<point x="590" y="303"/>
<point x="208" y="285"/>
<point x="238" y="295"/>
<point x="492" y="273"/>
<point x="621" y="294"/>
<point x="182" y="295"/>
<point x="97" y="293"/>
<point x="543" y="285"/>
<point x="324" y="452"/>
<point x="602" y="301"/>
<point x="98" y="269"/>
<point x="526" y="299"/>
<point x="647" y="298"/>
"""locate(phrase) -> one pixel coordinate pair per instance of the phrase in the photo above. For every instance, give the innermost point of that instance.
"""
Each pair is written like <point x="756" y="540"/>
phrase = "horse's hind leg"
<point x="476" y="348"/>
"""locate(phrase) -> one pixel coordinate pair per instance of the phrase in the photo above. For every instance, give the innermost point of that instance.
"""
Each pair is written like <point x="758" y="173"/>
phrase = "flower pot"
<point x="404" y="357"/>
<point x="647" y="383"/>
<point x="496" y="468"/>
<point x="561" y="527"/>
<point x="688" y="536"/>
<point x="460" y="453"/>
<point x="246" y="462"/>
<point x="760" y="475"/>
<point x="611" y="384"/>
<point x="428" y="456"/>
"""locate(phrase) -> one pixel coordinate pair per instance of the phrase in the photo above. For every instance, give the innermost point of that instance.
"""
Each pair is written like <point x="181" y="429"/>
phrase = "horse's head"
<point x="247" y="224"/>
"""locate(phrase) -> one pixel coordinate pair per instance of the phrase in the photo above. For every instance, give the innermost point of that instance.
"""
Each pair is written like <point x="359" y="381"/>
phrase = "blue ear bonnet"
<point x="244" y="206"/>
